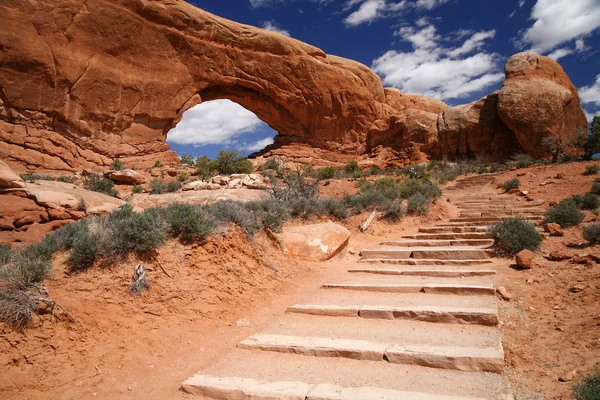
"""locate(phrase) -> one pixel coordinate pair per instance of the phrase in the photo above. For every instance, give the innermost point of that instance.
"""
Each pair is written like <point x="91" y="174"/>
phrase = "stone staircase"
<point x="413" y="319"/>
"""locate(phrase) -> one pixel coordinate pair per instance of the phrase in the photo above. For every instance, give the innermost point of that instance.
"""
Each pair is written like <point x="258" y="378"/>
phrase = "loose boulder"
<point x="317" y="242"/>
<point x="125" y="176"/>
<point x="8" y="179"/>
<point x="524" y="259"/>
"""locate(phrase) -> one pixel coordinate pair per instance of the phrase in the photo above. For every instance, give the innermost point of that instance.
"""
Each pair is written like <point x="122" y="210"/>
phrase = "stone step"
<point x="422" y="262"/>
<point x="435" y="314"/>
<point x="454" y="229"/>
<point x="440" y="243"/>
<point x="498" y="219"/>
<point x="489" y="359"/>
<point x="449" y="236"/>
<point x="234" y="388"/>
<point x="346" y="372"/>
<point x="439" y="273"/>
<point x="482" y="223"/>
<point x="435" y="288"/>
<point x="440" y="253"/>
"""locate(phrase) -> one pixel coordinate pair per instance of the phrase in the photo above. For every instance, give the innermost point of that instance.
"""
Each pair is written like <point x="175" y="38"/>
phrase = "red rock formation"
<point x="83" y="82"/>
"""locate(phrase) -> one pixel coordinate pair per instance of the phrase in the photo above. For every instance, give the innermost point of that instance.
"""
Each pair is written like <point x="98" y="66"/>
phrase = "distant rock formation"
<point x="83" y="82"/>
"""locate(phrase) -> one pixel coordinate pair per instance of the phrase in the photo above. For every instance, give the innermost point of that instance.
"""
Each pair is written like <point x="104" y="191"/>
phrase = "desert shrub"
<point x="117" y="165"/>
<point x="389" y="188"/>
<point x="566" y="213"/>
<point x="173" y="186"/>
<point x="513" y="235"/>
<point x="436" y="165"/>
<point x="444" y="177"/>
<point x="5" y="254"/>
<point x="158" y="164"/>
<point x="272" y="163"/>
<point x="140" y="281"/>
<point x="356" y="174"/>
<point x="521" y="160"/>
<point x="511" y="184"/>
<point x="351" y="167"/>
<point x="589" y="142"/>
<point x="365" y="201"/>
<point x="428" y="189"/>
<point x="327" y="173"/>
<point x="183" y="176"/>
<point x="290" y="185"/>
<point x="415" y="171"/>
<point x="392" y="210"/>
<point x="591" y="233"/>
<point x="303" y="207"/>
<point x="158" y="186"/>
<point x="374" y="170"/>
<point x="466" y="166"/>
<point x="86" y="245"/>
<point x="227" y="211"/>
<point x="81" y="205"/>
<point x="16" y="305"/>
<point x="232" y="162"/>
<point x="187" y="159"/>
<point x="205" y="167"/>
<point x="482" y="170"/>
<point x="418" y="204"/>
<point x="595" y="188"/>
<point x="188" y="222"/>
<point x="588" y="201"/>
<point x="137" y="189"/>
<point x="334" y="208"/>
<point x="588" y="388"/>
<point x="554" y="146"/>
<point x="271" y="212"/>
<point x="130" y="231"/>
<point x="592" y="169"/>
<point x="101" y="185"/>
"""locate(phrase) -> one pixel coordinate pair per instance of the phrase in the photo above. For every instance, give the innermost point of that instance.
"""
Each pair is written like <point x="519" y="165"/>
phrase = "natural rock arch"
<point x="85" y="81"/>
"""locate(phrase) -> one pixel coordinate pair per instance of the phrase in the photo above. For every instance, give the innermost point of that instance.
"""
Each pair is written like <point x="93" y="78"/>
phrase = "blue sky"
<point x="453" y="50"/>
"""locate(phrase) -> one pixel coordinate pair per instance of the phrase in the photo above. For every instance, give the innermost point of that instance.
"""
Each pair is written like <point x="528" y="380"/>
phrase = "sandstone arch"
<point x="84" y="81"/>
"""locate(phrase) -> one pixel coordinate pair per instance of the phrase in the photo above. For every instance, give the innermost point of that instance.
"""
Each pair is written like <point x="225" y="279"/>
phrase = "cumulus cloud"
<point x="560" y="21"/>
<point x="521" y="3"/>
<point x="371" y="10"/>
<point x="270" y="3"/>
<point x="560" y="53"/>
<point x="214" y="122"/>
<point x="274" y="27"/>
<point x="436" y="71"/>
<point x="591" y="94"/>
<point x="256" y="146"/>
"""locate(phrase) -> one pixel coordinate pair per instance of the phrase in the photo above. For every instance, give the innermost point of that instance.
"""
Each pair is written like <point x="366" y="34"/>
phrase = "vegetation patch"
<point x="588" y="388"/>
<point x="101" y="185"/>
<point x="513" y="235"/>
<point x="591" y="233"/>
<point x="511" y="184"/>
<point x="566" y="213"/>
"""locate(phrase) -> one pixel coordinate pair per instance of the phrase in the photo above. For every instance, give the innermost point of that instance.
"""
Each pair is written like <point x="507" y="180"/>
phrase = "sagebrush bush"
<point x="588" y="388"/>
<point x="521" y="160"/>
<point x="117" y="165"/>
<point x="591" y="233"/>
<point x="5" y="254"/>
<point x="595" y="188"/>
<point x="290" y="185"/>
<point x="232" y="162"/>
<point x="513" y="235"/>
<point x="137" y="189"/>
<point x="85" y="245"/>
<point x="351" y="167"/>
<point x="392" y="210"/>
<point x="327" y="173"/>
<point x="271" y="212"/>
<point x="272" y="163"/>
<point x="511" y="184"/>
<point x="228" y="211"/>
<point x="588" y="201"/>
<point x="592" y="169"/>
<point x="158" y="164"/>
<point x="16" y="305"/>
<point x="334" y="208"/>
<point x="158" y="186"/>
<point x="187" y="159"/>
<point x="189" y="222"/>
<point x="415" y="171"/>
<point x="566" y="213"/>
<point x="418" y="204"/>
<point x="173" y="186"/>
<point x="183" y="176"/>
<point x="101" y="185"/>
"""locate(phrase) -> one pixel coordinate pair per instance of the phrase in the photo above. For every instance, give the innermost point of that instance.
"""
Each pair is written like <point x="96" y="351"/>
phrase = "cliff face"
<point x="83" y="82"/>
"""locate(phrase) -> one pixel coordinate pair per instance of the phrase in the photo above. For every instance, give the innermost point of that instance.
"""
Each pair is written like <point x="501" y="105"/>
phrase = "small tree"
<point x="589" y="143"/>
<point x="554" y="146"/>
<point x="187" y="159"/>
<point x="205" y="167"/>
<point x="117" y="165"/>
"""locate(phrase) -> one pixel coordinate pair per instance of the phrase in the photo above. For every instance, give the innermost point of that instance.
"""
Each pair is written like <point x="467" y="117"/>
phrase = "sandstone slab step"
<point x="440" y="253"/>
<point x="444" y="357"/>
<point x="454" y="229"/>
<point x="415" y="288"/>
<point x="234" y="388"/>
<point x="440" y="273"/>
<point x="449" y="236"/>
<point x="415" y="261"/>
<point x="436" y="314"/>
<point x="439" y="243"/>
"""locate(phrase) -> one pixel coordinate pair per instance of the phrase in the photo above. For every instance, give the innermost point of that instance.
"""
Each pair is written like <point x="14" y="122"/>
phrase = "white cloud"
<point x="433" y="70"/>
<point x="580" y="45"/>
<point x="274" y="27"/>
<point x="560" y="21"/>
<point x="560" y="53"/>
<point x="214" y="122"/>
<point x="256" y="146"/>
<point x="371" y="10"/>
<point x="521" y="3"/>
<point x="591" y="94"/>
<point x="512" y="14"/>
<point x="269" y="3"/>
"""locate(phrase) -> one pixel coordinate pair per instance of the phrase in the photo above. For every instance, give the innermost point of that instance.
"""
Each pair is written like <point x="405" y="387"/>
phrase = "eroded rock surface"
<point x="316" y="242"/>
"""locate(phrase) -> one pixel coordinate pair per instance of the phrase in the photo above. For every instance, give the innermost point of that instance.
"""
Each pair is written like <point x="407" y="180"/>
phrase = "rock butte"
<point x="83" y="82"/>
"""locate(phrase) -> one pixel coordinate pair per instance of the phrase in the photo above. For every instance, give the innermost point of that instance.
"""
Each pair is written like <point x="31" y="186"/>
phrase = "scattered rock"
<point x="317" y="242"/>
<point x="547" y="183"/>
<point x="560" y="255"/>
<point x="581" y="259"/>
<point x="560" y="175"/>
<point x="243" y="323"/>
<point x="125" y="176"/>
<point x="522" y="174"/>
<point x="577" y="289"/>
<point x="196" y="185"/>
<point x="524" y="259"/>
<point x="537" y="202"/>
<point x="575" y="244"/>
<point x="8" y="178"/>
<point x="503" y="293"/>
<point x="523" y="193"/>
<point x="553" y="229"/>
<point x="568" y="376"/>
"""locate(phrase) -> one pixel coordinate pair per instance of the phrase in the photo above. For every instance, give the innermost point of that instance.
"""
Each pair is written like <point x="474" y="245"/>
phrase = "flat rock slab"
<point x="317" y="347"/>
<point x="233" y="388"/>
<point x="440" y="273"/>
<point x="416" y="261"/>
<point x="440" y="253"/>
<point x="459" y="358"/>
<point x="317" y="242"/>
<point x="416" y="288"/>
<point x="439" y="314"/>
<point x="439" y="243"/>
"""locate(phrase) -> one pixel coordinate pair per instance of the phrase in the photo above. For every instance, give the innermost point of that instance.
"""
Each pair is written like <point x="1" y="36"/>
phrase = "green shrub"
<point x="511" y="184"/>
<point x="418" y="204"/>
<point x="188" y="222"/>
<point x="158" y="186"/>
<point x="513" y="235"/>
<point x="482" y="170"/>
<point x="158" y="164"/>
<point x="303" y="207"/>
<point x="356" y="174"/>
<point x="101" y="185"/>
<point x="521" y="160"/>
<point x="205" y="167"/>
<point x="392" y="210"/>
<point x="232" y="162"/>
<point x="566" y="213"/>
<point x="183" y="176"/>
<point x="173" y="186"/>
<point x="243" y="167"/>
<point x="187" y="159"/>
<point x="351" y="167"/>
<point x="588" y="201"/>
<point x="6" y="253"/>
<point x="334" y="208"/>
<point x="290" y="185"/>
<point x="592" y="169"/>
<point x="445" y="176"/>
<point x="272" y="213"/>
<point x="365" y="201"/>
<point x="117" y="165"/>
<point x="228" y="211"/>
<point x="81" y="205"/>
<point x="415" y="171"/>
<point x="595" y="188"/>
<point x="137" y="189"/>
<point x="589" y="142"/>
<point x="85" y="246"/>
<point x="327" y="173"/>
<point x="591" y="233"/>
<point x="588" y="388"/>
<point x="272" y="163"/>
